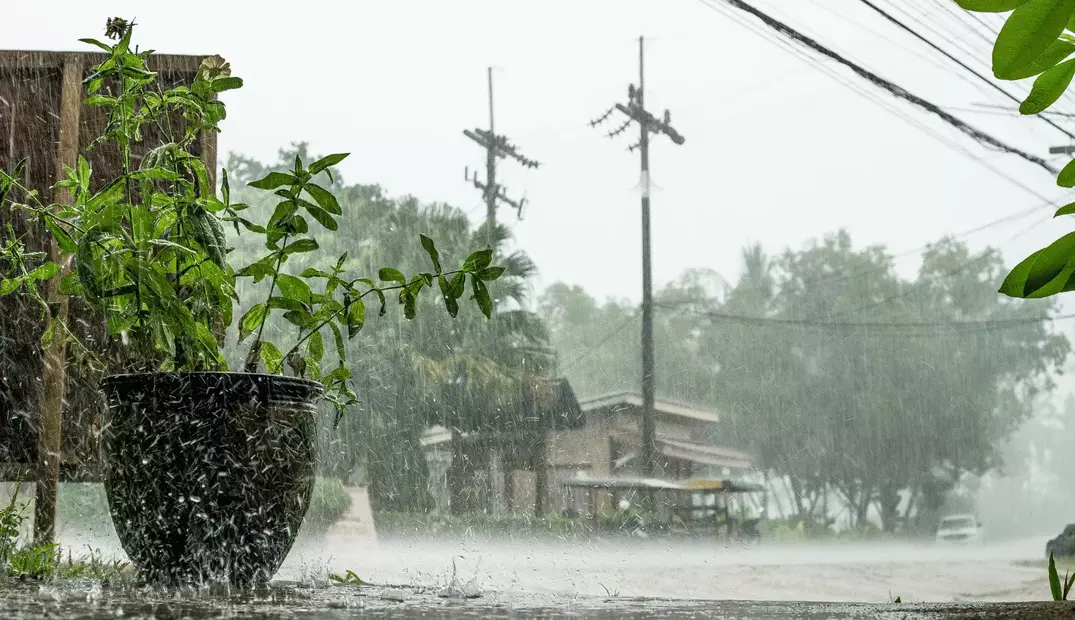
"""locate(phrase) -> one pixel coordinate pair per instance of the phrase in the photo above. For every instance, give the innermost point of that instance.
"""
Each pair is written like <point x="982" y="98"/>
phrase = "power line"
<point x="870" y="96"/>
<point x="828" y="280"/>
<point x="609" y="336"/>
<point x="976" y="134"/>
<point x="960" y="269"/>
<point x="964" y="325"/>
<point x="959" y="62"/>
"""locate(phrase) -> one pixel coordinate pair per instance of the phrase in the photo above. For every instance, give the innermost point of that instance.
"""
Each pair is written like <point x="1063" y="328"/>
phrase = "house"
<point x="524" y="472"/>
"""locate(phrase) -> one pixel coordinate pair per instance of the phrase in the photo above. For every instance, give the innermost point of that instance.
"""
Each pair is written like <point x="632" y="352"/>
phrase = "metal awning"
<point x="694" y="485"/>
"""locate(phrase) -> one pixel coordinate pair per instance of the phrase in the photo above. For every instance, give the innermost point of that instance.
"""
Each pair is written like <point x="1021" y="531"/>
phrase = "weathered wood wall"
<point x="31" y="117"/>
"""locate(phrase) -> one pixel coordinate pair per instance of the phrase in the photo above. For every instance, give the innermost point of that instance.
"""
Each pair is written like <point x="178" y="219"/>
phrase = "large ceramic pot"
<point x="208" y="475"/>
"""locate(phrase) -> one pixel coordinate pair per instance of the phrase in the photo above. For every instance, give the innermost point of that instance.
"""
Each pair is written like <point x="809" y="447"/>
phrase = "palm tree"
<point x="467" y="373"/>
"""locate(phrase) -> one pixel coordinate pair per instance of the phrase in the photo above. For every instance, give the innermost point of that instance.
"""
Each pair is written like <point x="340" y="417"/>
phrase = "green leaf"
<point x="252" y="320"/>
<point x="450" y="301"/>
<point x="324" y="198"/>
<point x="459" y="283"/>
<point x="293" y="287"/>
<point x="282" y="214"/>
<point x="225" y="188"/>
<point x="205" y="229"/>
<point x="259" y="270"/>
<point x="1044" y="273"/>
<point x="1067" y="209"/>
<point x="109" y="194"/>
<point x="9" y="286"/>
<point x="490" y="273"/>
<point x="341" y="347"/>
<point x="356" y="317"/>
<point x="323" y="217"/>
<point x="316" y="346"/>
<point x="226" y="83"/>
<point x="302" y="245"/>
<point x="45" y="271"/>
<point x="1056" y="52"/>
<point x="327" y="162"/>
<point x="410" y="309"/>
<point x="1066" y="178"/>
<point x="271" y="356"/>
<point x="1048" y="87"/>
<point x="97" y="43"/>
<point x="481" y="295"/>
<point x="274" y="180"/>
<point x="989" y="6"/>
<point x="478" y="260"/>
<point x="1054" y="580"/>
<point x="1028" y="32"/>
<point x="431" y="249"/>
<point x="85" y="265"/>
<point x="283" y="303"/>
<point x="63" y="239"/>
<point x="388" y="274"/>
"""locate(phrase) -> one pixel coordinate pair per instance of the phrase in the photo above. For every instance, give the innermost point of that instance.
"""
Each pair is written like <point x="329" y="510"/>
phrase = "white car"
<point x="960" y="529"/>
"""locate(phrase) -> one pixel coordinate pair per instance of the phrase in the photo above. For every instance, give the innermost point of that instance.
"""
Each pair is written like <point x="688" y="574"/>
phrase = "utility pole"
<point x="636" y="112"/>
<point x="496" y="146"/>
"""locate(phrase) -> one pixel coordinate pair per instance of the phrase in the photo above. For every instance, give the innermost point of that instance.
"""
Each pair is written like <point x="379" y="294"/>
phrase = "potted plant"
<point x="208" y="472"/>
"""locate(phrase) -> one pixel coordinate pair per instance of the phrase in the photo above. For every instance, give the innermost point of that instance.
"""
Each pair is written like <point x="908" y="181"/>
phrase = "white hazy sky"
<point x="776" y="151"/>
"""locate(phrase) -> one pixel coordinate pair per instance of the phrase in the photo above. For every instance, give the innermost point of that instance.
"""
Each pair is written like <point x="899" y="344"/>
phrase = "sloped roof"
<point x="694" y="451"/>
<point x="627" y="400"/>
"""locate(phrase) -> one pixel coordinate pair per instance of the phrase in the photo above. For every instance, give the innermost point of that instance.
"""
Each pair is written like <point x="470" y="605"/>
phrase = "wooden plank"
<point x="28" y="59"/>
<point x="54" y="379"/>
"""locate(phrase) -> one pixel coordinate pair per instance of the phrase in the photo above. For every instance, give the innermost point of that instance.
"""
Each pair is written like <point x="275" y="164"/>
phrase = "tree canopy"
<point x="841" y="376"/>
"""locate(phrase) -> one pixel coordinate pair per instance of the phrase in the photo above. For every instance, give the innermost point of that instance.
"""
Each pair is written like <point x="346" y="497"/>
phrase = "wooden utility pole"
<point x="636" y="112"/>
<point x="496" y="146"/>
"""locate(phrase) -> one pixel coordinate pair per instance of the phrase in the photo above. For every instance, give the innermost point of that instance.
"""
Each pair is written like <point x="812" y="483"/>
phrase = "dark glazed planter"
<point x="208" y="475"/>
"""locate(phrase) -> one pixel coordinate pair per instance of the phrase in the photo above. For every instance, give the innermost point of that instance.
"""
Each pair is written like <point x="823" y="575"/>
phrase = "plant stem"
<point x="130" y="198"/>
<point x="252" y="361"/>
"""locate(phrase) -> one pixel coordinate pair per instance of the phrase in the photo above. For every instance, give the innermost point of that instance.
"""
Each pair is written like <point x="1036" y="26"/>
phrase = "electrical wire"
<point x="959" y="62"/>
<point x="894" y="327"/>
<point x="979" y="136"/>
<point x="953" y="272"/>
<point x="609" y="336"/>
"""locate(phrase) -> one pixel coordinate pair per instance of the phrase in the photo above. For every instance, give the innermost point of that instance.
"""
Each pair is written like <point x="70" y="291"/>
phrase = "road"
<point x="849" y="572"/>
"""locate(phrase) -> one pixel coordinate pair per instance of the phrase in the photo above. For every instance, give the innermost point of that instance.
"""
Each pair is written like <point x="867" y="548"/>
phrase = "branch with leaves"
<point x="1036" y="41"/>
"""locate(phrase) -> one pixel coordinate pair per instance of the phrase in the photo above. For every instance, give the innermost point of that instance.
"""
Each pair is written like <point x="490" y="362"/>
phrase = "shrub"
<point x="328" y="504"/>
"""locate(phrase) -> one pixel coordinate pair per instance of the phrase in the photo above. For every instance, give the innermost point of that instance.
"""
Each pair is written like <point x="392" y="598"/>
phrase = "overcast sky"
<point x="776" y="150"/>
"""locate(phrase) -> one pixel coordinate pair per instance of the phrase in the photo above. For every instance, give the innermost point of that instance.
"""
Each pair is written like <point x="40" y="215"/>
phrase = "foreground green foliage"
<point x="1037" y="41"/>
<point x="150" y="253"/>
<point x="348" y="579"/>
<point x="22" y="560"/>
<point x="1060" y="588"/>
